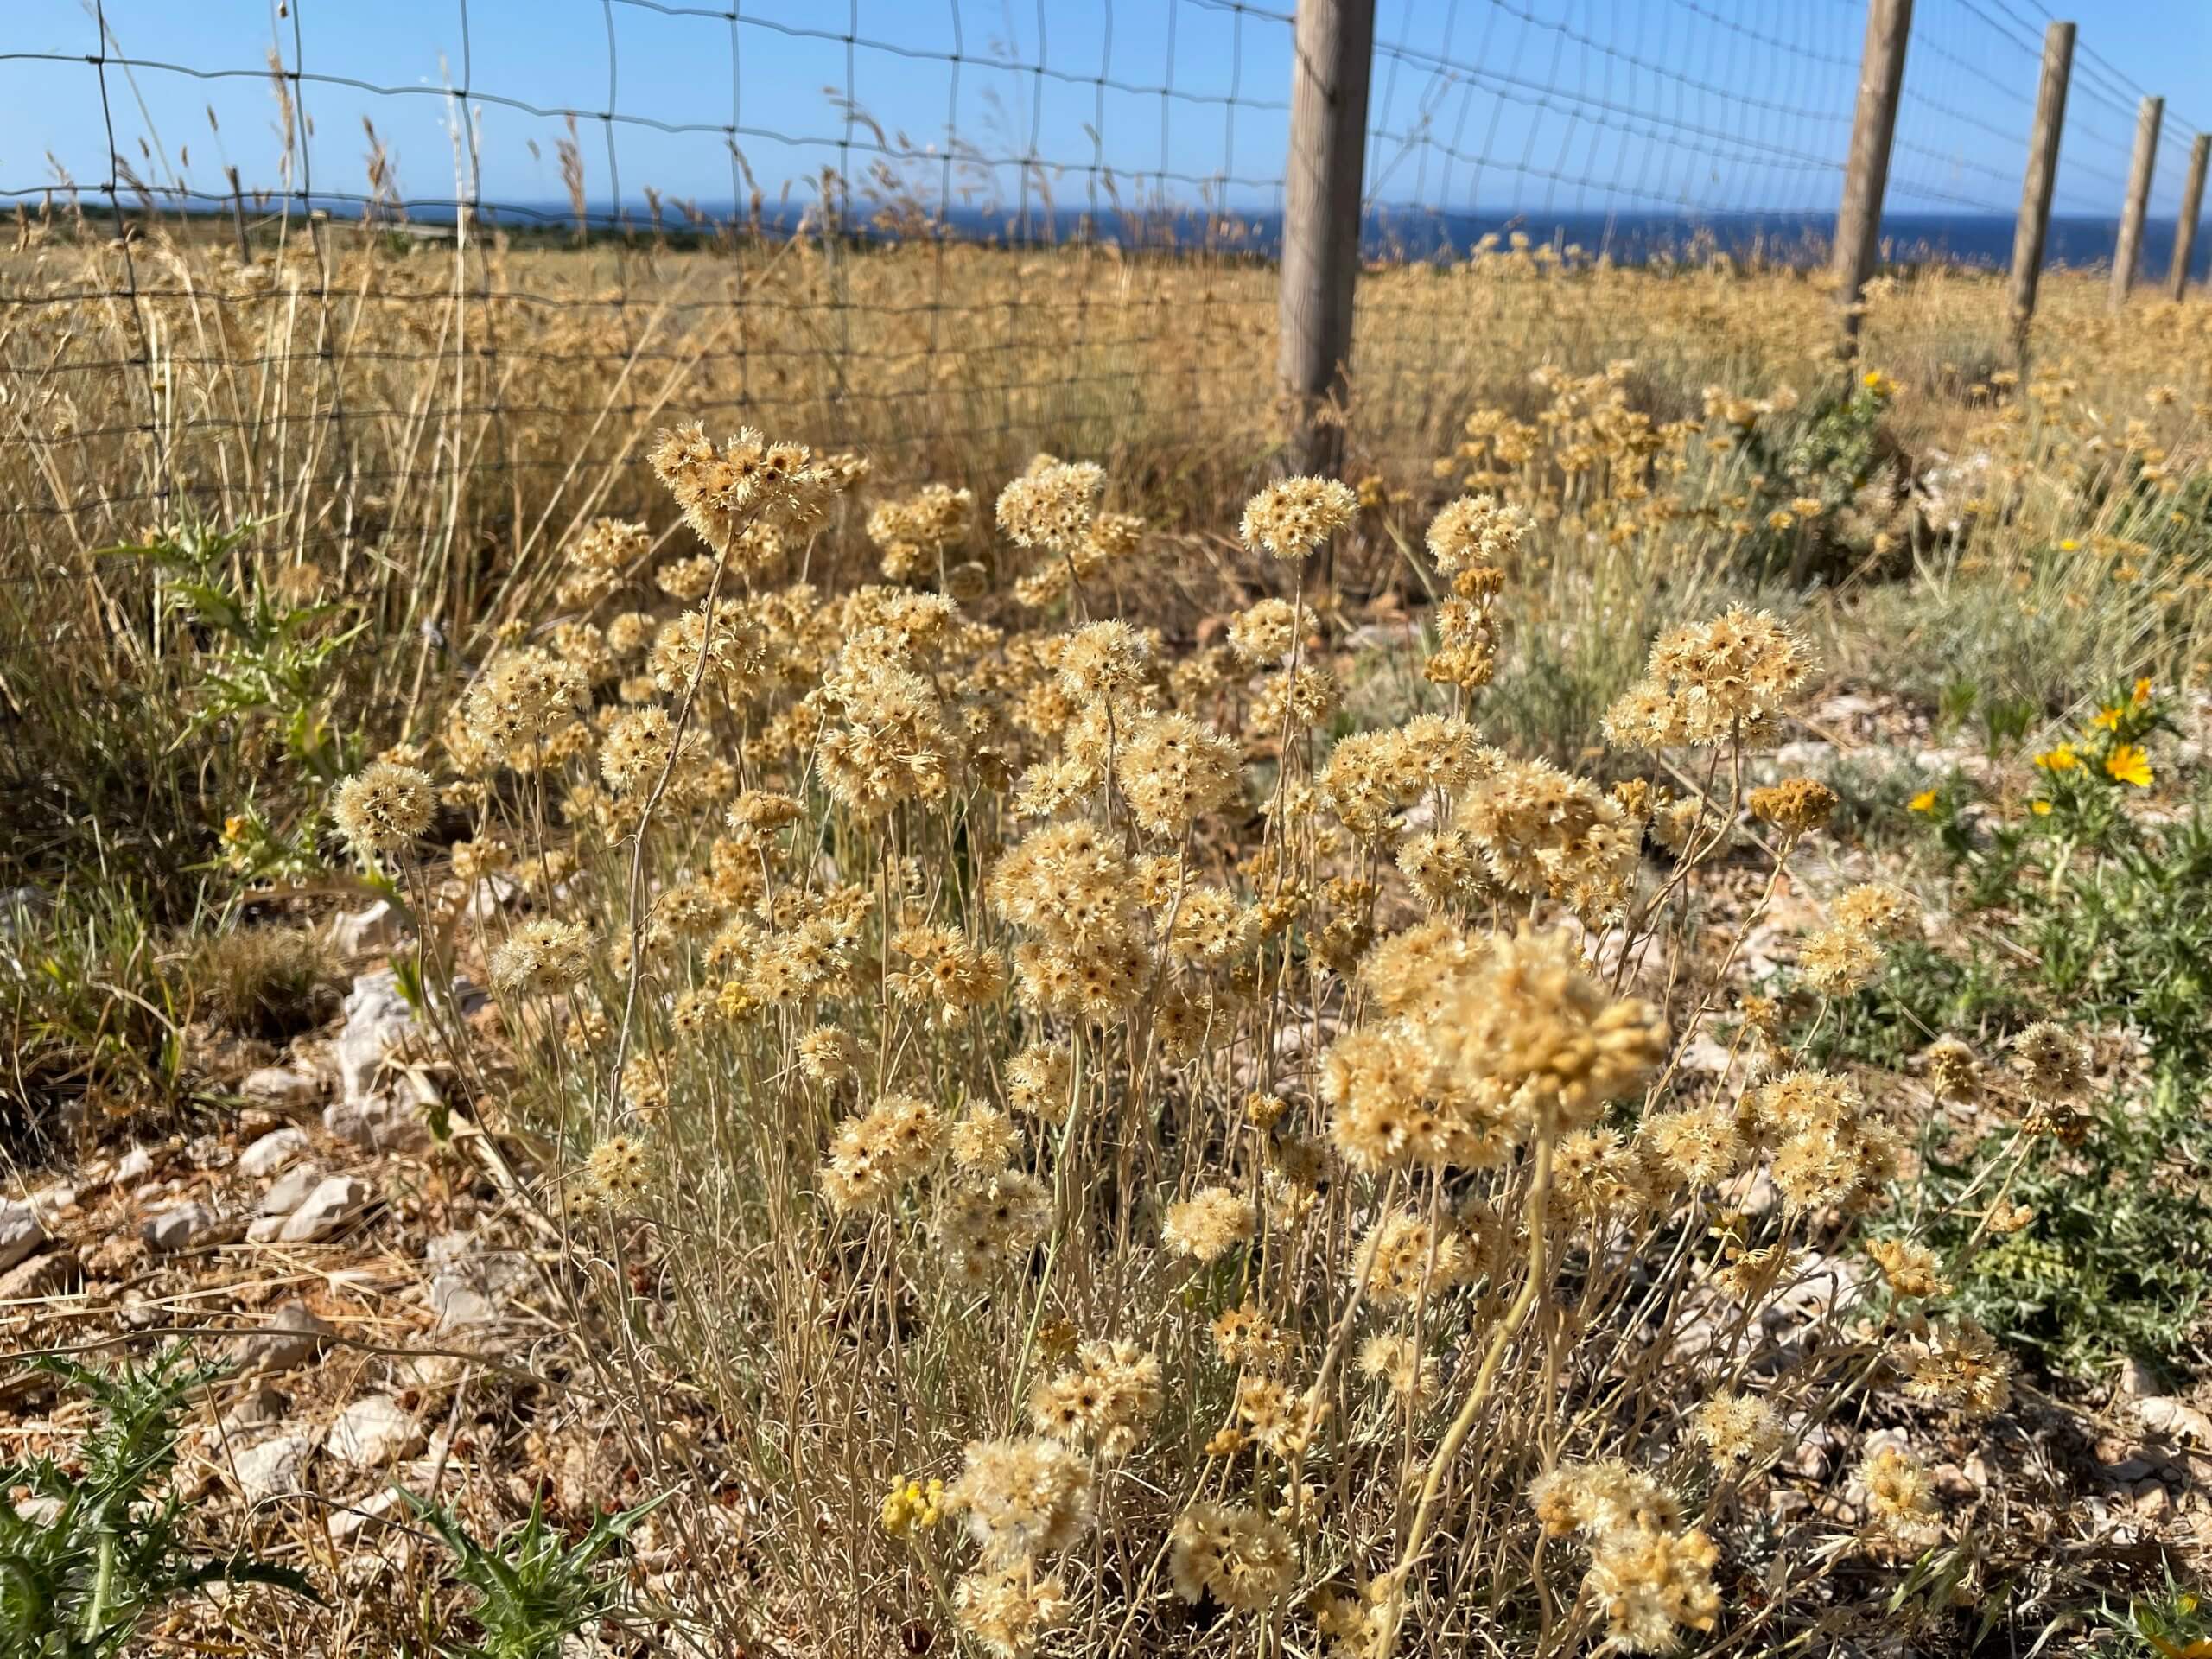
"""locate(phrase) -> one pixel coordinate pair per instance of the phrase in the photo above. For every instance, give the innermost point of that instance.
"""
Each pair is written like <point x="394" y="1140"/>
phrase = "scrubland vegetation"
<point x="1592" y="1037"/>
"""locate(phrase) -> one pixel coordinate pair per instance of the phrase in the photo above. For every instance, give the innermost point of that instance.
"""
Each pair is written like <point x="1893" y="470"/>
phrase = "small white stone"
<point x="274" y="1466"/>
<point x="372" y="1432"/>
<point x="290" y="1190"/>
<point x="364" y="931"/>
<point x="178" y="1226"/>
<point x="20" y="1233"/>
<point x="2175" y="1420"/>
<point x="271" y="1152"/>
<point x="345" y="1522"/>
<point x="333" y="1203"/>
<point x="377" y="1019"/>
<point x="137" y="1164"/>
<point x="293" y="1336"/>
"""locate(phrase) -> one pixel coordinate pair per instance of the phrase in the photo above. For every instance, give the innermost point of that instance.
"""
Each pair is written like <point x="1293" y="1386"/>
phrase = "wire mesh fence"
<point x="416" y="288"/>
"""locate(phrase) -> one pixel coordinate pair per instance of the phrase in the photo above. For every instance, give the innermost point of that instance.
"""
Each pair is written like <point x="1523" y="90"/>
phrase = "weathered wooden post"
<point x="1866" y="174"/>
<point x="2034" y="228"/>
<point x="1333" y="47"/>
<point x="2192" y="202"/>
<point x="2129" y="250"/>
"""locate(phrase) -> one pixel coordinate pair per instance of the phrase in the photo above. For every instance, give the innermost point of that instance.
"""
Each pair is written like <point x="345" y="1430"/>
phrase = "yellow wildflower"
<point x="2041" y="809"/>
<point x="2107" y="718"/>
<point x="1923" y="801"/>
<point x="2128" y="764"/>
<point x="913" y="1507"/>
<point x="2062" y="759"/>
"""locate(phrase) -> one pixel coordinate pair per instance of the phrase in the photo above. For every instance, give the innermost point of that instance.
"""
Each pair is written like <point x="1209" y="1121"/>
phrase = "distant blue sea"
<point x="1637" y="238"/>
<point x="1414" y="232"/>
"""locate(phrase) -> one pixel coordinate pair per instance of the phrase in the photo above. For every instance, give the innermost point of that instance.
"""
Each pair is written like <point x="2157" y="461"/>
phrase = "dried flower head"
<point x="1106" y="1398"/>
<point x="1838" y="960"/>
<point x="1476" y="530"/>
<point x="750" y="481"/>
<point x="984" y="1140"/>
<point x="1010" y="1609"/>
<point x="1024" y="1499"/>
<point x="616" y="1170"/>
<point x="1175" y="770"/>
<point x="871" y="1156"/>
<point x="1208" y="1224"/>
<point x="1738" y="1428"/>
<point x="1402" y="1258"/>
<point x="1396" y="1361"/>
<point x="522" y="696"/>
<point x="384" y="807"/>
<point x="1879" y="912"/>
<point x="2051" y="1063"/>
<point x="828" y="1054"/>
<point x="1528" y="1018"/>
<point x="1653" y="1585"/>
<point x="1240" y="1557"/>
<point x="1911" y="1269"/>
<point x="1051" y="507"/>
<point x="1900" y="1498"/>
<point x="1953" y="1070"/>
<point x="1293" y="516"/>
<point x="540" y="958"/>
<point x="990" y="1220"/>
<point x="1714" y="681"/>
<point x="1263" y="633"/>
<point x="1960" y="1366"/>
<point x="1796" y="806"/>
<point x="1037" y="1080"/>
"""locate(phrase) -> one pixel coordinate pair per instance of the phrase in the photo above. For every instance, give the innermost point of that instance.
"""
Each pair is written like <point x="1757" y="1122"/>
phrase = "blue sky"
<point x="1567" y="105"/>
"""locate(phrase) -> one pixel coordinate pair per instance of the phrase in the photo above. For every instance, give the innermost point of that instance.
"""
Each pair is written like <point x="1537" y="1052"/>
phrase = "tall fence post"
<point x="1332" y="50"/>
<point x="1866" y="174"/>
<point x="2034" y="226"/>
<point x="2129" y="250"/>
<point x="2192" y="202"/>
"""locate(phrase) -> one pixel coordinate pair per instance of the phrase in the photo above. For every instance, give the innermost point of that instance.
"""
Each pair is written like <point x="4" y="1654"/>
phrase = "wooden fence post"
<point x="2129" y="248"/>
<point x="1332" y="50"/>
<point x="2192" y="202"/>
<point x="1866" y="174"/>
<point x="2034" y="226"/>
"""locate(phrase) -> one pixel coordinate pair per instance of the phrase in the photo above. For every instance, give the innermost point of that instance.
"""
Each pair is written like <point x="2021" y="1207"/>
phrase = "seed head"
<point x="1293" y="518"/>
<point x="384" y="807"/>
<point x="540" y="958"/>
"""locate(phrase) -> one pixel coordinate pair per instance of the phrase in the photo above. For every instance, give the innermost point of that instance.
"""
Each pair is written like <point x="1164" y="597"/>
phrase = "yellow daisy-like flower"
<point x="1923" y="801"/>
<point x="2041" y="809"/>
<point x="2069" y="545"/>
<point x="2128" y="764"/>
<point x="1880" y="385"/>
<point x="2141" y="694"/>
<point x="2107" y="718"/>
<point x="2062" y="759"/>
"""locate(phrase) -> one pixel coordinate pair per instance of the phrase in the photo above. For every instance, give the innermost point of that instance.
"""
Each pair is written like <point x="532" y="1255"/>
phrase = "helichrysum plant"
<point x="1242" y="1171"/>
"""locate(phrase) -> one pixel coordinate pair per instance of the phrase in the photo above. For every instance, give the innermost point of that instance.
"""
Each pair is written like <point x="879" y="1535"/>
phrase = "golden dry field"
<point x="759" y="950"/>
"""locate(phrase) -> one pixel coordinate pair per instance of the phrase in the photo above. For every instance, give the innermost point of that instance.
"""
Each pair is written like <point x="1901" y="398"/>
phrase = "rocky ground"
<point x="387" y="1321"/>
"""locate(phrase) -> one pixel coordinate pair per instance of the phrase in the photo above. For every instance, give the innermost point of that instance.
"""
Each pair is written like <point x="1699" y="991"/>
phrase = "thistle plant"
<point x="100" y="1546"/>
